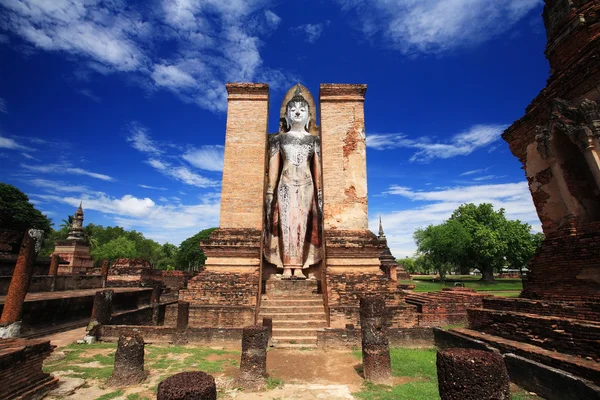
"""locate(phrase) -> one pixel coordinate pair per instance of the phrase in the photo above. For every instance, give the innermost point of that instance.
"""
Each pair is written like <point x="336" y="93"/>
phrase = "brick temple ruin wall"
<point x="446" y="307"/>
<point x="131" y="272"/>
<point x="223" y="299"/>
<point x="43" y="283"/>
<point x="560" y="176"/>
<point x="46" y="311"/>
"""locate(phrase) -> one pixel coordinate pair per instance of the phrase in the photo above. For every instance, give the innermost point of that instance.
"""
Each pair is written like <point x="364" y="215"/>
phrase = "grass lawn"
<point x="420" y="365"/>
<point x="95" y="362"/>
<point x="507" y="287"/>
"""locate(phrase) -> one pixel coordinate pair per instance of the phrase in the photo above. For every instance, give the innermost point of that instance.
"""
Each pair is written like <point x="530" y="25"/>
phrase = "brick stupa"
<point x="75" y="249"/>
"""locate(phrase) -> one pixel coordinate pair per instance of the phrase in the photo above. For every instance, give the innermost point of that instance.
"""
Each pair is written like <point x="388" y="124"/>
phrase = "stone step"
<point x="290" y="309"/>
<point x="316" y="323"/>
<point x="291" y="302"/>
<point x="463" y="337"/>
<point x="293" y="316"/>
<point x="295" y="340"/>
<point x="307" y="346"/>
<point x="278" y="332"/>
<point x="313" y="297"/>
<point x="565" y="335"/>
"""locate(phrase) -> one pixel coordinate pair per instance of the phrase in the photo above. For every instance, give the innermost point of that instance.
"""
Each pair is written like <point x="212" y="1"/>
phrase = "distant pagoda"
<point x="75" y="249"/>
<point x="392" y="268"/>
<point x="76" y="231"/>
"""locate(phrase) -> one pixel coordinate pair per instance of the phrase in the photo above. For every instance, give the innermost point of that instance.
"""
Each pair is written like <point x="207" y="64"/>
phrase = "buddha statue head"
<point x="297" y="111"/>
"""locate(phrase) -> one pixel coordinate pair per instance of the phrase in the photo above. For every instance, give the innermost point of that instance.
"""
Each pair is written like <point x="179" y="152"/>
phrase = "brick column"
<point x="53" y="271"/>
<point x="375" y="346"/>
<point x="343" y="147"/>
<point x="10" y="322"/>
<point x="102" y="310"/>
<point x="253" y="364"/>
<point x="268" y="323"/>
<point x="155" y="302"/>
<point x="104" y="272"/>
<point x="245" y="147"/>
<point x="129" y="361"/>
<point x="183" y="314"/>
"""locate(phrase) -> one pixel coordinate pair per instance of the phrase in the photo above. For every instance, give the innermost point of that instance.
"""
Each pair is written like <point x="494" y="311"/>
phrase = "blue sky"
<point x="123" y="104"/>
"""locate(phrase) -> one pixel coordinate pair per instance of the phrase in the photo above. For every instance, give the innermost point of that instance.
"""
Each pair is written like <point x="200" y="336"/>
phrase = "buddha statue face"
<point x="297" y="114"/>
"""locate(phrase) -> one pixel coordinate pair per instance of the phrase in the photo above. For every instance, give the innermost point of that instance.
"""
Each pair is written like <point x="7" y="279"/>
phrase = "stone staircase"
<point x="550" y="347"/>
<point x="297" y="312"/>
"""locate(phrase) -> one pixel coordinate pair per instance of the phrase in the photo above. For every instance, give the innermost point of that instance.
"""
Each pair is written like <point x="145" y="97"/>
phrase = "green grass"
<point x="111" y="395"/>
<point x="426" y="284"/>
<point x="273" y="383"/>
<point x="74" y="355"/>
<point x="189" y="358"/>
<point x="418" y="364"/>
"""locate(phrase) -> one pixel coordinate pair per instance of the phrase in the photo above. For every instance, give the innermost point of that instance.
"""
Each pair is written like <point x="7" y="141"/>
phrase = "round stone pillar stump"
<point x="377" y="365"/>
<point x="101" y="310"/>
<point x="129" y="361"/>
<point x="268" y="323"/>
<point x="183" y="314"/>
<point x="195" y="385"/>
<point x="466" y="374"/>
<point x="253" y="364"/>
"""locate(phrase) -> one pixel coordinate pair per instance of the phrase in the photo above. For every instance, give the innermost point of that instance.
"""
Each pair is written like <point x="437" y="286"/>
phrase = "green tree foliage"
<point x="17" y="213"/>
<point x="443" y="245"/>
<point x="120" y="247"/>
<point x="479" y="237"/>
<point x="191" y="256"/>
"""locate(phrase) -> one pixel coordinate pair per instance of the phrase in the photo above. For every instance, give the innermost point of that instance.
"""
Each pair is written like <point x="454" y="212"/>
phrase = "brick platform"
<point x="21" y="368"/>
<point x="445" y="307"/>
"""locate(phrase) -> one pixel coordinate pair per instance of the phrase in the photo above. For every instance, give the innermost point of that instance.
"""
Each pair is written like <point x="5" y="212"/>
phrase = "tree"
<point x="408" y="264"/>
<point x="191" y="256"/>
<point x="120" y="247"/>
<point x="66" y="223"/>
<point x="445" y="245"/>
<point x="17" y="213"/>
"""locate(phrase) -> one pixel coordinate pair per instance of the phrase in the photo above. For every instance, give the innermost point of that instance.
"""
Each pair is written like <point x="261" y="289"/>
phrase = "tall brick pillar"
<point x="231" y="274"/>
<point x="53" y="271"/>
<point x="10" y="322"/>
<point x="352" y="250"/>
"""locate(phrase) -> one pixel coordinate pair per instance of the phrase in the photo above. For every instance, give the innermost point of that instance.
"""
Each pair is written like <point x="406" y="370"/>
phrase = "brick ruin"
<point x="553" y="328"/>
<point x="75" y="249"/>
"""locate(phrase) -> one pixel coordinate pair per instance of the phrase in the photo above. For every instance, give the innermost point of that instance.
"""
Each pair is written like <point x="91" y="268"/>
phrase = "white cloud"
<point x="461" y="144"/>
<point x="436" y="26"/>
<point x="208" y="158"/>
<point x="3" y="108"/>
<point x="11" y="144"/>
<point x="434" y="207"/>
<point x="152" y="187"/>
<point x="56" y="186"/>
<point x="65" y="169"/>
<point x="311" y="32"/>
<point x="89" y="94"/>
<point x="93" y="29"/>
<point x="210" y="42"/>
<point x="140" y="140"/>
<point x="182" y="174"/>
<point x="272" y="19"/>
<point x="172" y="222"/>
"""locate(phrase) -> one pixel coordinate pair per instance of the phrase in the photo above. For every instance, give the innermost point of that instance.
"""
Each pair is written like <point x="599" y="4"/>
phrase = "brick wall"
<point x="445" y="307"/>
<point x="566" y="267"/>
<point x="223" y="288"/>
<point x="165" y="334"/>
<point x="43" y="283"/>
<point x="576" y="310"/>
<point x="553" y="333"/>
<point x="21" y="367"/>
